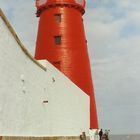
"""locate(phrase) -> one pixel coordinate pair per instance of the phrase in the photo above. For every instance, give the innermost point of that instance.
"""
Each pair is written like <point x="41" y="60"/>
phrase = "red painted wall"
<point x="71" y="56"/>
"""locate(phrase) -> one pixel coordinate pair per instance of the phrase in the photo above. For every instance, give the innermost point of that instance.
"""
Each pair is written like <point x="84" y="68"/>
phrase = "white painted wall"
<point x="23" y="88"/>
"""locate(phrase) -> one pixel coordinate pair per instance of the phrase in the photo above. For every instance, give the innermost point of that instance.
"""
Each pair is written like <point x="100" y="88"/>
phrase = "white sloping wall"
<point x="35" y="102"/>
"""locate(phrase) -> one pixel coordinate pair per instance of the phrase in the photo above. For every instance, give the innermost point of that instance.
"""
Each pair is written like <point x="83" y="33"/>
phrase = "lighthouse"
<point x="61" y="40"/>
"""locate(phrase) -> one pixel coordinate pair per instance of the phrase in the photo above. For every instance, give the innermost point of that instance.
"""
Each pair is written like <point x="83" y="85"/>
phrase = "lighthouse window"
<point x="58" y="18"/>
<point x="57" y="40"/>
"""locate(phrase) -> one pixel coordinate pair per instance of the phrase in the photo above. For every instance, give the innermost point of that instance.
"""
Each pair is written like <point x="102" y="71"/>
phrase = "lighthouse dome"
<point x="42" y="3"/>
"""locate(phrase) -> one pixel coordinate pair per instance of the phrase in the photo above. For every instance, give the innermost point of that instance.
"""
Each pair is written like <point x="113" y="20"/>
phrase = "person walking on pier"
<point x="100" y="134"/>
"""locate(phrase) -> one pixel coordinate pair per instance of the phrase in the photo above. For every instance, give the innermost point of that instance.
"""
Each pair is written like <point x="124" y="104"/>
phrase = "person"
<point x="107" y="134"/>
<point x="83" y="136"/>
<point x="100" y="134"/>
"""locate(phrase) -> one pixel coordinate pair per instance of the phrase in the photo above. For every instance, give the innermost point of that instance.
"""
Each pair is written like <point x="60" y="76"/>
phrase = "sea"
<point x="125" y="137"/>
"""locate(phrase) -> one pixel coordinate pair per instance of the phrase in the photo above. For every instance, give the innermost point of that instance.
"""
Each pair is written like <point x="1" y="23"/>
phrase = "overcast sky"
<point x="113" y="34"/>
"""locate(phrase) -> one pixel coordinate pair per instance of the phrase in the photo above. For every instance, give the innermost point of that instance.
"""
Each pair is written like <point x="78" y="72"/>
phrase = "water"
<point x="124" y="137"/>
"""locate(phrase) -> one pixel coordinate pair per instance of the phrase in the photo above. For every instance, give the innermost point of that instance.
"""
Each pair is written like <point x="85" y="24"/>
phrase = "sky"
<point x="113" y="33"/>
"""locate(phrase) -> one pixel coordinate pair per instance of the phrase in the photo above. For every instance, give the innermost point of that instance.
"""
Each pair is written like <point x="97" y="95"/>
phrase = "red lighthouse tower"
<point x="61" y="40"/>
